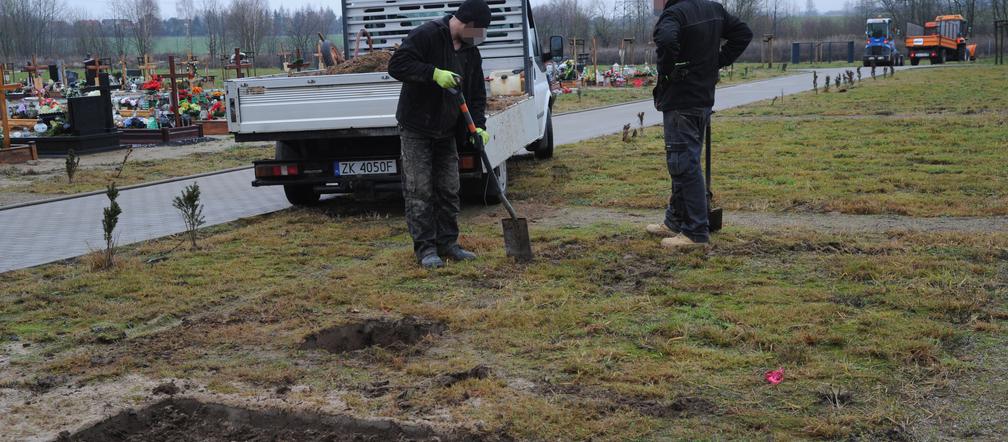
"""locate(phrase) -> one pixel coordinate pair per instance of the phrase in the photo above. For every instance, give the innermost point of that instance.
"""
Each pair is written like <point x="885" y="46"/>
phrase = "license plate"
<point x="371" y="167"/>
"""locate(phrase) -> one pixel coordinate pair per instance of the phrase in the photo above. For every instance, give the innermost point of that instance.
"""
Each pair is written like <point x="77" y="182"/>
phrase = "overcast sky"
<point x="168" y="6"/>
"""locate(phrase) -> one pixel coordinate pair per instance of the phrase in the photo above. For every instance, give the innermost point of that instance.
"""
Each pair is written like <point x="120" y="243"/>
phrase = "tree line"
<point x="54" y="28"/>
<point x="609" y="23"/>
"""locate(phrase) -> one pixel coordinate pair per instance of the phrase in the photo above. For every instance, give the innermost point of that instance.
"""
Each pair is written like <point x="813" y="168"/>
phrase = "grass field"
<point x="605" y="336"/>
<point x="592" y="97"/>
<point x="916" y="144"/>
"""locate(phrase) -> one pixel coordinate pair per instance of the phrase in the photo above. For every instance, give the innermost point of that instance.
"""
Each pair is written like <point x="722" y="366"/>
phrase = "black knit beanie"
<point x="475" y="12"/>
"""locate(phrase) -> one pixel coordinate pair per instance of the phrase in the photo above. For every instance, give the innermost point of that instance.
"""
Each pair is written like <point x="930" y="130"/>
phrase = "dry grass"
<point x="604" y="336"/>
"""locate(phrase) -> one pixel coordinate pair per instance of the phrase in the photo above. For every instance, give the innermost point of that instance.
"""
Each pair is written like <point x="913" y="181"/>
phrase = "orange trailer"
<point x="943" y="39"/>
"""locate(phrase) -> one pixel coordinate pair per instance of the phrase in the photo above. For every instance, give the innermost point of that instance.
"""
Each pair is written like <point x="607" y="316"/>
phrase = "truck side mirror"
<point x="556" y="47"/>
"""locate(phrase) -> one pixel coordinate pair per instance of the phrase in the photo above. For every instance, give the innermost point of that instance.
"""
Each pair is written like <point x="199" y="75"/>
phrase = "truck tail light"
<point x="275" y="170"/>
<point x="467" y="162"/>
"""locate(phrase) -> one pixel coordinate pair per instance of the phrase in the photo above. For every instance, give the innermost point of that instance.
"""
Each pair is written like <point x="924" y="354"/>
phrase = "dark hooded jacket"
<point x="688" y="40"/>
<point x="424" y="106"/>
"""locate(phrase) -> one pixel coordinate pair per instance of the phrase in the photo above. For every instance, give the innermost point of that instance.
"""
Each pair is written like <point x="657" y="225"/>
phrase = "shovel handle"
<point x="471" y="127"/>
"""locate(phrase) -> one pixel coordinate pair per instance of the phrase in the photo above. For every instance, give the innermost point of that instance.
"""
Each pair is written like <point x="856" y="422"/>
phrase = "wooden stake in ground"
<point x="34" y="78"/>
<point x="98" y="67"/>
<point x="174" y="91"/>
<point x="3" y="108"/>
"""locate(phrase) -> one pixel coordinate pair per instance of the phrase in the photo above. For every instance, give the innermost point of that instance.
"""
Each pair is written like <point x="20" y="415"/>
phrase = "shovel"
<point x="516" y="237"/>
<point x="713" y="214"/>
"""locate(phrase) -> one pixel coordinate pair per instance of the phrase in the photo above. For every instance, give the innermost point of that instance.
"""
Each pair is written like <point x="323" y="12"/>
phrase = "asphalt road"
<point x="43" y="233"/>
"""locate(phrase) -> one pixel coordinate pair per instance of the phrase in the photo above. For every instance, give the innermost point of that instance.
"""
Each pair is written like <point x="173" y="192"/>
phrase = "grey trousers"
<point x="687" y="207"/>
<point x="430" y="187"/>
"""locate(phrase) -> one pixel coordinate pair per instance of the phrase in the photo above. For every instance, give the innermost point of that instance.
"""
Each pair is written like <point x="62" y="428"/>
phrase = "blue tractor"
<point x="880" y="44"/>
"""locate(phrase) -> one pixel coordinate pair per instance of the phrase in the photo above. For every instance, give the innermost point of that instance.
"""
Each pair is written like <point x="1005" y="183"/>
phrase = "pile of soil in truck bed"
<point x="498" y="103"/>
<point x="376" y="61"/>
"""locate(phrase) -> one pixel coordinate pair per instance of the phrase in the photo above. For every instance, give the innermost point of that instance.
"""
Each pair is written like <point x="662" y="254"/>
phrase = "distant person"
<point x="436" y="56"/>
<point x="688" y="39"/>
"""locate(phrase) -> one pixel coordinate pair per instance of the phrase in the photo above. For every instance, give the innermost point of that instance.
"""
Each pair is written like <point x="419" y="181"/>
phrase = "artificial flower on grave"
<point x="196" y="90"/>
<point x="183" y="94"/>
<point x="49" y="106"/>
<point x="217" y="94"/>
<point x="187" y="107"/>
<point x="217" y="109"/>
<point x="128" y="103"/>
<point x="154" y="84"/>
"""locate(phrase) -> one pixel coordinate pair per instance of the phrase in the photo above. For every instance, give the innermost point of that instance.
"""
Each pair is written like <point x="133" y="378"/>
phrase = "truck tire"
<point x="544" y="150"/>
<point x="914" y="61"/>
<point x="482" y="190"/>
<point x="327" y="57"/>
<point x="492" y="195"/>
<point x="301" y="195"/>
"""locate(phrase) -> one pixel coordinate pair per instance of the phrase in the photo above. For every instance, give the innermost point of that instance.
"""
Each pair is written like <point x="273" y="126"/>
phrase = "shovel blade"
<point x="714" y="219"/>
<point x="516" y="239"/>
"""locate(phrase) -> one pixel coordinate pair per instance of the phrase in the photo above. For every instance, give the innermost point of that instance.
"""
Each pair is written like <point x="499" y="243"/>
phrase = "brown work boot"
<point x="680" y="242"/>
<point x="660" y="230"/>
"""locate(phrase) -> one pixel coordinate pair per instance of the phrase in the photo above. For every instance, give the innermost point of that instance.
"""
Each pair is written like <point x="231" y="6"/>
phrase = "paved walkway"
<point x="50" y="232"/>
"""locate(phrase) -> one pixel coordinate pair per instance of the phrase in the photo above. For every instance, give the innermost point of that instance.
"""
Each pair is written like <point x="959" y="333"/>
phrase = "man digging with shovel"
<point x="435" y="57"/>
<point x="688" y="40"/>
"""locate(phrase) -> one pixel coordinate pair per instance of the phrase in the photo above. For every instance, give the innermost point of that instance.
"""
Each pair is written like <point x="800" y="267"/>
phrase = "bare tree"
<point x="26" y="27"/>
<point x="186" y="10"/>
<point x="87" y="35"/>
<point x="217" y="34"/>
<point x="145" y="19"/>
<point x="250" y="21"/>
<point x="303" y="28"/>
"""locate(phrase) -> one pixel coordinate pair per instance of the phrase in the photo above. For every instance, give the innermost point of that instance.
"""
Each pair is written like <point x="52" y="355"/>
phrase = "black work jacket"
<point x="688" y="35"/>
<point x="424" y="106"/>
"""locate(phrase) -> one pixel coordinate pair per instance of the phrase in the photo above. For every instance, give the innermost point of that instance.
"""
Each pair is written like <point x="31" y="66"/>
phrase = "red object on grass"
<point x="774" y="376"/>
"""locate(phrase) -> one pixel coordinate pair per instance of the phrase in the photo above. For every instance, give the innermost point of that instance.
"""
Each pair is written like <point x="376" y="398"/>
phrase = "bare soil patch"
<point x="189" y="419"/>
<point x="373" y="332"/>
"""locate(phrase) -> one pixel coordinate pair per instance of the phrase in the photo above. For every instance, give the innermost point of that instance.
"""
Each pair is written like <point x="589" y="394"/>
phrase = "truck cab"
<point x="880" y="44"/>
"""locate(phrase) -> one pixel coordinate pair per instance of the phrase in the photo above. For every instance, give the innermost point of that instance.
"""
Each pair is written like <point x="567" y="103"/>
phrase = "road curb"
<point x="130" y="187"/>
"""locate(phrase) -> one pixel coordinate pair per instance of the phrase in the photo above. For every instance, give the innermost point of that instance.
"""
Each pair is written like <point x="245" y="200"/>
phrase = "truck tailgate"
<point x="312" y="103"/>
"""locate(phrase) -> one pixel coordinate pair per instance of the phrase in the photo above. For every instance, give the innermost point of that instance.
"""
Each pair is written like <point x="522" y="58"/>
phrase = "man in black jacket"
<point x="688" y="39"/>
<point x="434" y="57"/>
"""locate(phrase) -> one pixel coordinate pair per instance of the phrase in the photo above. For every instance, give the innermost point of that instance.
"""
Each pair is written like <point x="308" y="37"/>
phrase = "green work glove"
<point x="445" y="79"/>
<point x="483" y="134"/>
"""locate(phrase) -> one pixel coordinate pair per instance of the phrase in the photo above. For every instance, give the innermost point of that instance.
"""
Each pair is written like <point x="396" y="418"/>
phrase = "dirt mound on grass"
<point x="189" y="419"/>
<point x="373" y="332"/>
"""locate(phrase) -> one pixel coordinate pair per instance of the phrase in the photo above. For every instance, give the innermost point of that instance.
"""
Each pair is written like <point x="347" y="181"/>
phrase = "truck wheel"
<point x="545" y="148"/>
<point x="300" y="194"/>
<point x="914" y="61"/>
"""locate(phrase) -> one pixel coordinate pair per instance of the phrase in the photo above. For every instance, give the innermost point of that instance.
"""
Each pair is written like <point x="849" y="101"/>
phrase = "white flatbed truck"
<point x="338" y="133"/>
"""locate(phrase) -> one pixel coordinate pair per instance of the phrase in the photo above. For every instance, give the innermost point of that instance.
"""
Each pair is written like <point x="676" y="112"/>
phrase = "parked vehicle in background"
<point x="941" y="40"/>
<point x="880" y="44"/>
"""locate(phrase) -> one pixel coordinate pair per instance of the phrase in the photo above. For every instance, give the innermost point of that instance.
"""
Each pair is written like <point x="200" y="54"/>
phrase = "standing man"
<point x="435" y="57"/>
<point x="688" y="39"/>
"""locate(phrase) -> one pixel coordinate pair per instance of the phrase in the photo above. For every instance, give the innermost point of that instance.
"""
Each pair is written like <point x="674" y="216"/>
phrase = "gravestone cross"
<point x="174" y="91"/>
<point x="299" y="62"/>
<point x="34" y="78"/>
<point x="149" y="69"/>
<point x="237" y="65"/>
<point x="3" y="107"/>
<point x="122" y="67"/>
<point x="97" y="68"/>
